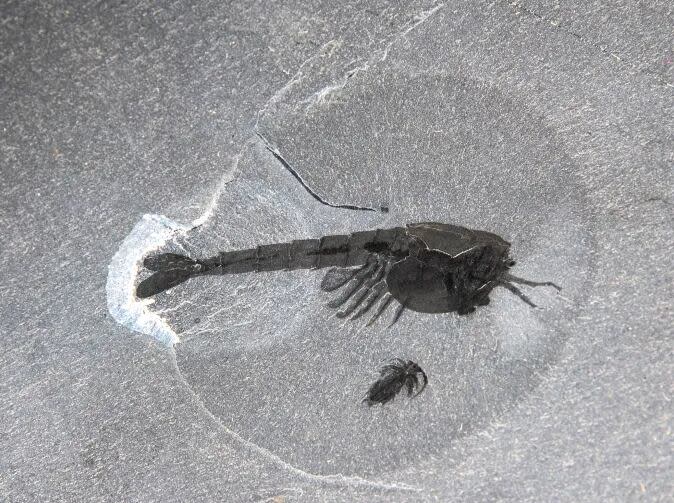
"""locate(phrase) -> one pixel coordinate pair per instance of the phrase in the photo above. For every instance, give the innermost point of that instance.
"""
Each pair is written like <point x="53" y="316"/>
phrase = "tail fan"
<point x="166" y="261"/>
<point x="170" y="270"/>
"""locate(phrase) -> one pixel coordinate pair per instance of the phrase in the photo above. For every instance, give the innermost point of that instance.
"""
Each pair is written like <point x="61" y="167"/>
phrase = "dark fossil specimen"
<point x="391" y="380"/>
<point x="426" y="267"/>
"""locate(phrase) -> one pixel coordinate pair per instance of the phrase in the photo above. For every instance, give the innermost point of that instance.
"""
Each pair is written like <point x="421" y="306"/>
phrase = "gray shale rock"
<point x="549" y="125"/>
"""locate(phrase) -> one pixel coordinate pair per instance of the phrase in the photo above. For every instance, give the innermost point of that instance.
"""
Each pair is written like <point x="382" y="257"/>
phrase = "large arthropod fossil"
<point x="427" y="267"/>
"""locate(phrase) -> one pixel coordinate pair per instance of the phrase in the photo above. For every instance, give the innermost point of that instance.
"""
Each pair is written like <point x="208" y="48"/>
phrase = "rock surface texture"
<point x="129" y="129"/>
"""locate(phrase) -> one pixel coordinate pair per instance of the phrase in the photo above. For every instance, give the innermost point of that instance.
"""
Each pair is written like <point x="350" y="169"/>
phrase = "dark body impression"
<point x="427" y="267"/>
<point x="392" y="378"/>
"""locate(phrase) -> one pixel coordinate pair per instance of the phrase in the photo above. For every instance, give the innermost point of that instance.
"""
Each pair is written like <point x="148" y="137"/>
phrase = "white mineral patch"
<point x="151" y="233"/>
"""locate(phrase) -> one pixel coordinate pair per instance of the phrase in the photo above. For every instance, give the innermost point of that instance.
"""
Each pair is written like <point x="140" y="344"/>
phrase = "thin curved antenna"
<point x="512" y="288"/>
<point x="522" y="281"/>
<point x="423" y="374"/>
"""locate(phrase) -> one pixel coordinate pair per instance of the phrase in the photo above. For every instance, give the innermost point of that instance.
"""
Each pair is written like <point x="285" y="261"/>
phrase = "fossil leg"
<point x="354" y="285"/>
<point x="523" y="281"/>
<point x="390" y="368"/>
<point x="337" y="277"/>
<point x="410" y="386"/>
<point x="383" y="304"/>
<point x="362" y="294"/>
<point x="423" y="387"/>
<point x="412" y="382"/>
<point x="398" y="314"/>
<point x="355" y="302"/>
<point x="517" y="292"/>
<point x="376" y="293"/>
<point x="396" y="365"/>
<point x="377" y="288"/>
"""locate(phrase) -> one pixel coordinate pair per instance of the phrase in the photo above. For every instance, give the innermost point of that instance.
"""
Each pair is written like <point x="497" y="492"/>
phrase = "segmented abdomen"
<point x="329" y="251"/>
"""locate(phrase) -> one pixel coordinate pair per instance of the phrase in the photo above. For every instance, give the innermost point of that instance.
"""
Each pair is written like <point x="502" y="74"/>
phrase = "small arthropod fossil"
<point x="426" y="267"/>
<point x="392" y="378"/>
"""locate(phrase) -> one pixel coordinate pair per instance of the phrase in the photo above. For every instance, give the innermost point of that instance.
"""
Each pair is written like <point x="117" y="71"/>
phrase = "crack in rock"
<point x="151" y="233"/>
<point x="518" y="8"/>
<point x="154" y="231"/>
<point x="336" y="479"/>
<point x="275" y="152"/>
<point x="323" y="95"/>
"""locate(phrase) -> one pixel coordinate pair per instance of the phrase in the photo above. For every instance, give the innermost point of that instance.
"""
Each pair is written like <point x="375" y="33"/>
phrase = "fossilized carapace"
<point x="427" y="267"/>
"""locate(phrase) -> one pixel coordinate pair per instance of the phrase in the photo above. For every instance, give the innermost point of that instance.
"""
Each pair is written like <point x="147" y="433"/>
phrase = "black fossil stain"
<point x="392" y="378"/>
<point x="427" y="267"/>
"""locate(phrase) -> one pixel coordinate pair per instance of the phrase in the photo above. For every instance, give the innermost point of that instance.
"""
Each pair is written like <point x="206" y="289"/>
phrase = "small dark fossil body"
<point x="426" y="267"/>
<point x="393" y="377"/>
